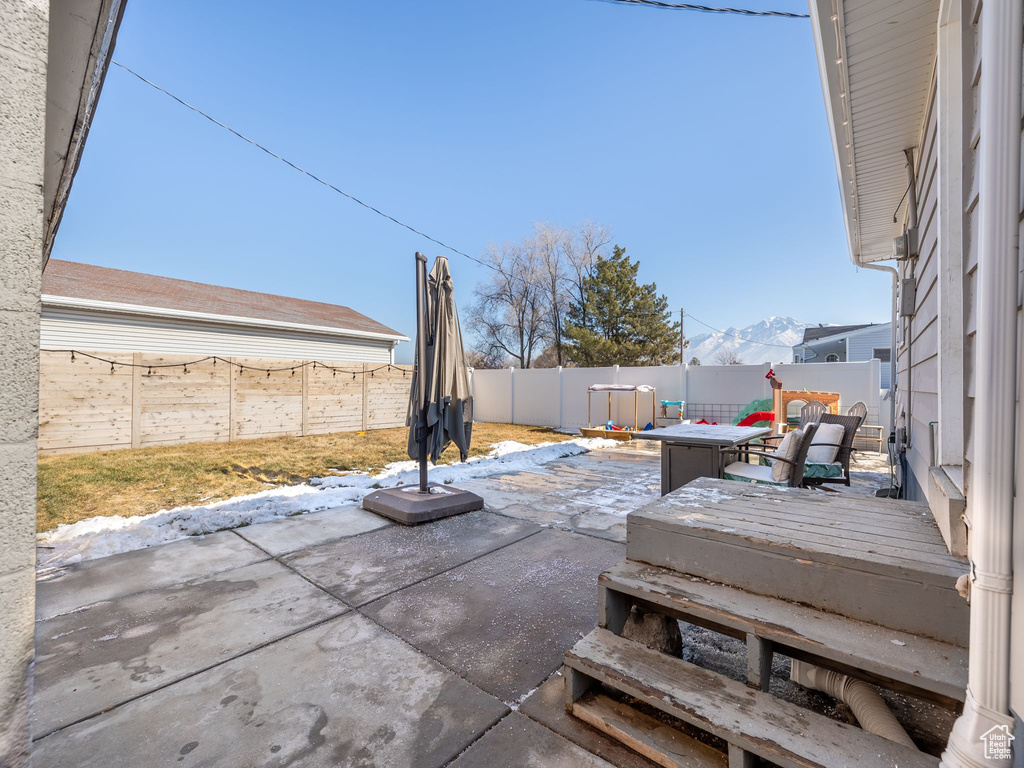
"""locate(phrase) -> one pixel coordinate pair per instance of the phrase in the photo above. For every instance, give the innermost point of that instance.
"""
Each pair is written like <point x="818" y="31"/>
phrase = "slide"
<point x="755" y="417"/>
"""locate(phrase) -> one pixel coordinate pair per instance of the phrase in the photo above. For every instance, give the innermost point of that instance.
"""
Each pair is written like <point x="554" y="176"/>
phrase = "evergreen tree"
<point x="618" y="321"/>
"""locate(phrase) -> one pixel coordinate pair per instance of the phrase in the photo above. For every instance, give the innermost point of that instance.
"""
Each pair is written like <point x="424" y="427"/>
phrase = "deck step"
<point x="667" y="746"/>
<point x="753" y="722"/>
<point x="888" y="657"/>
<point x="877" y="560"/>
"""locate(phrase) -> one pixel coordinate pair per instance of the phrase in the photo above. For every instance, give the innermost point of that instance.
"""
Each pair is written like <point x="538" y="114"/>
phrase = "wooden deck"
<point x="875" y="560"/>
<point x="862" y="586"/>
<point x="896" y="660"/>
<point x="752" y="722"/>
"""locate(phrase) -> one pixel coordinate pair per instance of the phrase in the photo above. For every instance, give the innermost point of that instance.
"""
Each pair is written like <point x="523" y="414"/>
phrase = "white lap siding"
<point x="917" y="336"/>
<point x="111" y="332"/>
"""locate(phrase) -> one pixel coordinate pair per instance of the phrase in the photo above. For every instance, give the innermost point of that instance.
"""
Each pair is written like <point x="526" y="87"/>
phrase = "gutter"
<point x="114" y="307"/>
<point x="992" y="486"/>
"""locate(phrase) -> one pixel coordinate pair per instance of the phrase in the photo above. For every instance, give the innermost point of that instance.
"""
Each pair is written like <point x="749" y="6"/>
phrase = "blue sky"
<point x="700" y="139"/>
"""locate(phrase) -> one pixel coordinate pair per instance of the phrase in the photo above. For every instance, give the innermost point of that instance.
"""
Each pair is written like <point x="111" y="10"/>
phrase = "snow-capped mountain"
<point x="750" y="344"/>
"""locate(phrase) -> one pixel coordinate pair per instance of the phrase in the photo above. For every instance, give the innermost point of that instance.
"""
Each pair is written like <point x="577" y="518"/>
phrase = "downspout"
<point x="992" y="484"/>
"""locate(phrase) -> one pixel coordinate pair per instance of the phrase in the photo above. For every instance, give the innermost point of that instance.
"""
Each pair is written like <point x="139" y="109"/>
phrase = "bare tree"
<point x="511" y="309"/>
<point x="480" y="359"/>
<point x="727" y="357"/>
<point x="581" y="249"/>
<point x="550" y="244"/>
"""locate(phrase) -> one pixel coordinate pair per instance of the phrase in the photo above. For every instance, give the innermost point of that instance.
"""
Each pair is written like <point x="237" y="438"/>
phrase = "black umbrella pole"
<point x="421" y="356"/>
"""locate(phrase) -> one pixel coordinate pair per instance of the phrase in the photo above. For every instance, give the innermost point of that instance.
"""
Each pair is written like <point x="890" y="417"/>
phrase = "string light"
<point x="242" y="367"/>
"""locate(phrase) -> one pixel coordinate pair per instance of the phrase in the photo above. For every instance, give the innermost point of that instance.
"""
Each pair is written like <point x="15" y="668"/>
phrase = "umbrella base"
<point x="408" y="506"/>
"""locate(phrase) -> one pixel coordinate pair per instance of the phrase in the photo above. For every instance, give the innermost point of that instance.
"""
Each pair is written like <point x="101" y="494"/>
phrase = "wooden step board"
<point x="667" y="746"/>
<point x="890" y="658"/>
<point x="752" y="722"/>
<point x="876" y="560"/>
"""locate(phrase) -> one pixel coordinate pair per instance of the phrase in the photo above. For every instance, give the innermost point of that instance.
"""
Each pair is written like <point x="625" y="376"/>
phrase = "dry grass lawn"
<point x="145" y="480"/>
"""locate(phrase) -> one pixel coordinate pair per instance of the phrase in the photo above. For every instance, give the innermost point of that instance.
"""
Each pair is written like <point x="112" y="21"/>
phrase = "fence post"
<point x="232" y="374"/>
<point x="305" y="398"/>
<point x="366" y="400"/>
<point x="511" y="395"/>
<point x="137" y="401"/>
<point x="559" y="384"/>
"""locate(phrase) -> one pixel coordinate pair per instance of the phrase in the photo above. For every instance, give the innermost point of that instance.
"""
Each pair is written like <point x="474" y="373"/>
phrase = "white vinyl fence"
<point x="557" y="397"/>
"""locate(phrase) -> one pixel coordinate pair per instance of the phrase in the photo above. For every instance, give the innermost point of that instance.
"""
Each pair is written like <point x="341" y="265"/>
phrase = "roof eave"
<point x="113" y="307"/>
<point x="825" y="26"/>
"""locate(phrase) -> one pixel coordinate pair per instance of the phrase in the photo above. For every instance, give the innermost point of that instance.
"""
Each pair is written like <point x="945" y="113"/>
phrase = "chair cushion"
<point x="826" y="454"/>
<point x="751" y="473"/>
<point x="813" y="470"/>
<point x="788" y="449"/>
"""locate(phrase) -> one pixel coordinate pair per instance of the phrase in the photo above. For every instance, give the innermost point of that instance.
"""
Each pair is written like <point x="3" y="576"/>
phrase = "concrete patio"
<point x="337" y="638"/>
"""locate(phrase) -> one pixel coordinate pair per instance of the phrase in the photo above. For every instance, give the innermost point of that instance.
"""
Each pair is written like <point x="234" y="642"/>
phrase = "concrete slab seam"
<point x="183" y="678"/>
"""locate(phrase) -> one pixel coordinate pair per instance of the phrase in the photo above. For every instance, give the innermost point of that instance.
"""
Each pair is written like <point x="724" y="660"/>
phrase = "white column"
<point x="987" y="704"/>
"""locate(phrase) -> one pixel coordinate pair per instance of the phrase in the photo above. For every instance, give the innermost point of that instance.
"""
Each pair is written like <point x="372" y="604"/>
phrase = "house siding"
<point x="111" y="332"/>
<point x="862" y="346"/>
<point x="917" y="336"/>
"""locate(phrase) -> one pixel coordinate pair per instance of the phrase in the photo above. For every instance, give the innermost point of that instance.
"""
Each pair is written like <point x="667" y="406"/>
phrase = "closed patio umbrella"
<point x="440" y="404"/>
<point x="448" y="413"/>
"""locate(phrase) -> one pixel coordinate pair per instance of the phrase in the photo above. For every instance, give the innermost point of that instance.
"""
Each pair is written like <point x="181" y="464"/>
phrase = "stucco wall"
<point x="22" y="129"/>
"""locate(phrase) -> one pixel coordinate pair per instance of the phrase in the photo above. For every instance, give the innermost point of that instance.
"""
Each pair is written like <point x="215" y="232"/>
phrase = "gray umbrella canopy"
<point x="441" y="360"/>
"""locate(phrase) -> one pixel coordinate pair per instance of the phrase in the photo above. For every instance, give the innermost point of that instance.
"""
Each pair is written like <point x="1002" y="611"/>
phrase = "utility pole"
<point x="682" y="336"/>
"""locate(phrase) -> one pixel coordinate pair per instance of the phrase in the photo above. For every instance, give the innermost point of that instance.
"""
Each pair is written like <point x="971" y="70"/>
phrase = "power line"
<point x="711" y="9"/>
<point x="289" y="163"/>
<point x="733" y="335"/>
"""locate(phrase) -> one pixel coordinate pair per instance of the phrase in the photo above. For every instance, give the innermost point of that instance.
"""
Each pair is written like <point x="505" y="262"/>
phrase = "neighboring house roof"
<point x="84" y="285"/>
<point x="827" y="331"/>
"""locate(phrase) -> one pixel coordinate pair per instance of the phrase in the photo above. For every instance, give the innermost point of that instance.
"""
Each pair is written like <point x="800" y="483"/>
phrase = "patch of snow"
<point x="695" y="497"/>
<point x="102" y="536"/>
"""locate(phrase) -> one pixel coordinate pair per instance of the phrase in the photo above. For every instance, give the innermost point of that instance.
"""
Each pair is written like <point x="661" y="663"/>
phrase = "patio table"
<point x="690" y="451"/>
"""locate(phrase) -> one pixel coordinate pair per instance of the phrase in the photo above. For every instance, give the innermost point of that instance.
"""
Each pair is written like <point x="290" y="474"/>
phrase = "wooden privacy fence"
<point x="85" y="406"/>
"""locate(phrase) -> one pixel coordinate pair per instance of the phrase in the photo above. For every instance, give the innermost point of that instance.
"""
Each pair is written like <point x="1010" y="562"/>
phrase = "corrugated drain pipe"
<point x="867" y="706"/>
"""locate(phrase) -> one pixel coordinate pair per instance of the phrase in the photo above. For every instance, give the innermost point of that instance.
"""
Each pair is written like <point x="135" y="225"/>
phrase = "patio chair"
<point x="858" y="409"/>
<point x="762" y="472"/>
<point x="811" y="413"/>
<point x="818" y="470"/>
